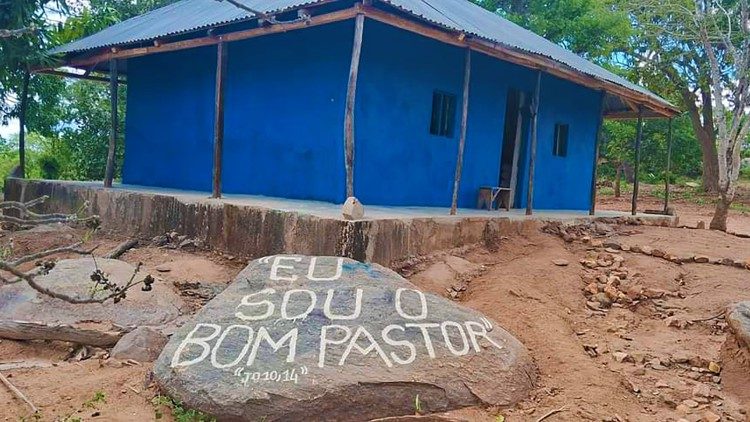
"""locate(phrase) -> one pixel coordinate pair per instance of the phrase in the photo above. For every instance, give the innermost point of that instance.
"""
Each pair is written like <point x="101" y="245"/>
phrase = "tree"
<point x="724" y="31"/>
<point x="589" y="28"/>
<point x="24" y="30"/>
<point x="669" y="57"/>
<point x="702" y="47"/>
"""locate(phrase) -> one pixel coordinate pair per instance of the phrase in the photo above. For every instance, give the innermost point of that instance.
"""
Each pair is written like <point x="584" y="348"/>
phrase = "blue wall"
<point x="284" y="117"/>
<point x="169" y="120"/>
<point x="284" y="108"/>
<point x="563" y="182"/>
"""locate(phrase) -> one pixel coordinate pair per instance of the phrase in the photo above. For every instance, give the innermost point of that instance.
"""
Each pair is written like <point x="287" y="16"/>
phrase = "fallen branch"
<point x="122" y="248"/>
<point x="100" y="280"/>
<point x="552" y="412"/>
<point x="74" y="248"/>
<point x="117" y="293"/>
<point x="27" y="330"/>
<point x="18" y="393"/>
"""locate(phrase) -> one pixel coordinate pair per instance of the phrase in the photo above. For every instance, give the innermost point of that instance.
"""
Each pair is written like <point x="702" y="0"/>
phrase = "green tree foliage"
<point x="590" y="28"/>
<point x="72" y="116"/>
<point x="618" y="146"/>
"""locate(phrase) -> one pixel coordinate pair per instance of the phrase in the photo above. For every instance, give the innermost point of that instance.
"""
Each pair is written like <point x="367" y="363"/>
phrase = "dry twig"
<point x="552" y="412"/>
<point x="18" y="393"/>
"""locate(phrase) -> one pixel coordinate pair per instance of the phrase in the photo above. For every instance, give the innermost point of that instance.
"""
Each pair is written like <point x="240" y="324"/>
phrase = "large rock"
<point x="18" y="301"/>
<point x="738" y="318"/>
<point x="305" y="338"/>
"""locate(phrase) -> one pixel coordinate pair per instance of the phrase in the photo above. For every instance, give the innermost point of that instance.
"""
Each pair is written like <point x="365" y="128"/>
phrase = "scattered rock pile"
<point x="598" y="234"/>
<point x="174" y="240"/>
<point x="609" y="282"/>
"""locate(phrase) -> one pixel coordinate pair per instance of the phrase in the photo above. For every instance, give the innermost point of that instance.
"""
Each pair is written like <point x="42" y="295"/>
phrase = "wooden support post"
<point x="221" y="70"/>
<point x="597" y="143"/>
<point x="668" y="174"/>
<point x="462" y="135"/>
<point x="22" y="125"/>
<point x="638" y="138"/>
<point x="109" y="172"/>
<point x="351" y="95"/>
<point x="532" y="155"/>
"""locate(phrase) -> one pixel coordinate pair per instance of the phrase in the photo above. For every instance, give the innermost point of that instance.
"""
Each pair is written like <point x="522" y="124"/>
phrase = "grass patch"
<point x="739" y="206"/>
<point x="179" y="411"/>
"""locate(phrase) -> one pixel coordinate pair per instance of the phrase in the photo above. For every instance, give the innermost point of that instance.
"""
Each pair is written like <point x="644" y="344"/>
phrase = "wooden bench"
<point x="489" y="195"/>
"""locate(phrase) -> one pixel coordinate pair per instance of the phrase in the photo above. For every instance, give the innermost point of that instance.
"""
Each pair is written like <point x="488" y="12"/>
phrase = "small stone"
<point x="603" y="300"/>
<point x="186" y="243"/>
<point x="690" y="403"/>
<point x="597" y="243"/>
<point x="714" y="367"/>
<point x="625" y="248"/>
<point x="709" y="416"/>
<point x="636" y="249"/>
<point x="352" y="209"/>
<point x="701" y="225"/>
<point x="658" y="253"/>
<point x="682" y="409"/>
<point x="592" y="288"/>
<point x="702" y="390"/>
<point x="647" y="250"/>
<point x="701" y="259"/>
<point x="611" y="292"/>
<point x="142" y="344"/>
<point x="656" y="364"/>
<point x="561" y="262"/>
<point x="661" y="384"/>
<point x="160" y="240"/>
<point x="163" y="268"/>
<point x="639" y="372"/>
<point x="621" y="357"/>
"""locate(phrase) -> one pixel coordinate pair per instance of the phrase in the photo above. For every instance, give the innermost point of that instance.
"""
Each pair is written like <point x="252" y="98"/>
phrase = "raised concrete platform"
<point x="253" y="226"/>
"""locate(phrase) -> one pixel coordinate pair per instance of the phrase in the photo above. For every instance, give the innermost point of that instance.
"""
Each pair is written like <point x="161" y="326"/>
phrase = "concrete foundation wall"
<point x="251" y="232"/>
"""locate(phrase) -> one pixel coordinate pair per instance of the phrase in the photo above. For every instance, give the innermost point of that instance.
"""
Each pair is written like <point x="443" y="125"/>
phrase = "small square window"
<point x="560" y="146"/>
<point x="443" y="114"/>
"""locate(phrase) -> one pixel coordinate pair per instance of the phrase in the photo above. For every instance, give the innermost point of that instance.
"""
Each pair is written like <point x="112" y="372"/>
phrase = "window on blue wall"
<point x="560" y="146"/>
<point x="443" y="114"/>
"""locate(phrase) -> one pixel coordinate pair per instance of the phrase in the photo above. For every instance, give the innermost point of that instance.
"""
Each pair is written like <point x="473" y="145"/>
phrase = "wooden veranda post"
<point x="668" y="175"/>
<point x="638" y="136"/>
<point x="22" y="124"/>
<point x="221" y="70"/>
<point x="462" y="134"/>
<point x="532" y="155"/>
<point x="109" y="171"/>
<point x="351" y="95"/>
<point x="597" y="144"/>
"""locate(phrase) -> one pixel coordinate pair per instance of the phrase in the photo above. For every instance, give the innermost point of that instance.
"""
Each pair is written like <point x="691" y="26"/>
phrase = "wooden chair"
<point x="489" y="195"/>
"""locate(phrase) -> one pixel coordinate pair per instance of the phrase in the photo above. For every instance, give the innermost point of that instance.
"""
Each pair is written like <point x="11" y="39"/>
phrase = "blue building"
<point x="397" y="102"/>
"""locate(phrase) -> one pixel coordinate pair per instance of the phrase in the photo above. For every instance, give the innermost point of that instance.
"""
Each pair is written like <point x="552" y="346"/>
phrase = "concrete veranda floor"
<point x="372" y="212"/>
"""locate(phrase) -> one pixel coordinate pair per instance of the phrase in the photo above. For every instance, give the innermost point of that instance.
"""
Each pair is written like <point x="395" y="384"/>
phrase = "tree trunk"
<point x="719" y="221"/>
<point x="22" y="125"/>
<point x="703" y="126"/>
<point x="710" y="161"/>
<point x="618" y="179"/>
<point x="27" y="330"/>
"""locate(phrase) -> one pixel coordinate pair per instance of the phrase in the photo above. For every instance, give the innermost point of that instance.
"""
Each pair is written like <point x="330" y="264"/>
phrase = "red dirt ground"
<point x="519" y="286"/>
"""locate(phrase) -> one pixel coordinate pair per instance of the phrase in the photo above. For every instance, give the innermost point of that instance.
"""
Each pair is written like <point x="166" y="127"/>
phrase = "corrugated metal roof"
<point x="460" y="15"/>
<point x="174" y="19"/>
